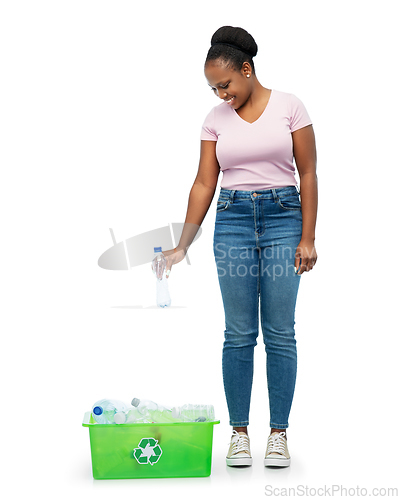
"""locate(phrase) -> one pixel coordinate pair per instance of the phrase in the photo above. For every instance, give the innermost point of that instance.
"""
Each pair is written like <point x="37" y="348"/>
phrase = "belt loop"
<point x="232" y="193"/>
<point x="297" y="188"/>
<point x="275" y="196"/>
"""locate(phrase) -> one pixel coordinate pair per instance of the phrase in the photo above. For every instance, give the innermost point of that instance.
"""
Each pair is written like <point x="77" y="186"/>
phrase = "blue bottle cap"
<point x="157" y="249"/>
<point x="97" y="410"/>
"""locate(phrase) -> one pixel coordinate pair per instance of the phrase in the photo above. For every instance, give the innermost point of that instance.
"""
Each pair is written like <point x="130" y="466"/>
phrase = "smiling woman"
<point x="237" y="89"/>
<point x="232" y="50"/>
<point x="253" y="137"/>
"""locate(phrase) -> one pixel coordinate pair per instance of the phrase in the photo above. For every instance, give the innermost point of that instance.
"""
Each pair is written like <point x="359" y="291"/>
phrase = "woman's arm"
<point x="200" y="198"/>
<point x="304" y="145"/>
<point x="203" y="190"/>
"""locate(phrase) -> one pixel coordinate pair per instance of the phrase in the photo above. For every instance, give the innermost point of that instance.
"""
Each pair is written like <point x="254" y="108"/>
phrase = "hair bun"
<point x="236" y="37"/>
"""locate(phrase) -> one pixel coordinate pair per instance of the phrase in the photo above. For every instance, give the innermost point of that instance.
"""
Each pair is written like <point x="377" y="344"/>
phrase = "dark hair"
<point x="233" y="46"/>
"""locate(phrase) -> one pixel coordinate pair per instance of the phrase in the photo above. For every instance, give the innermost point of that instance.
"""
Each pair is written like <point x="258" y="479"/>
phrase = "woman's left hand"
<point x="305" y="256"/>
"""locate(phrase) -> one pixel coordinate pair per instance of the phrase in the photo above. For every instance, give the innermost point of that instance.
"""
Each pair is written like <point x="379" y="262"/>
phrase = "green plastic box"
<point x="133" y="451"/>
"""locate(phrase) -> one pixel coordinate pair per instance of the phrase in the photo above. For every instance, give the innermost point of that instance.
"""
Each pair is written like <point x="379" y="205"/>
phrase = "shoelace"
<point x="276" y="443"/>
<point x="240" y="442"/>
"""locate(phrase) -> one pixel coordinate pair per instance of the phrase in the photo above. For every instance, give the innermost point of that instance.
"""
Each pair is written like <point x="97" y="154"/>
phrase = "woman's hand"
<point x="173" y="256"/>
<point x="305" y="256"/>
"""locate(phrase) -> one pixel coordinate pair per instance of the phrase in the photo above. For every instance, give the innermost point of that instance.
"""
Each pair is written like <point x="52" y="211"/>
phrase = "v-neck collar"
<point x="263" y="112"/>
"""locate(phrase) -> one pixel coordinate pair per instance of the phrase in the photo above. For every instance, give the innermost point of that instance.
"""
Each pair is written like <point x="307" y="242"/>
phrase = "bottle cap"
<point x="135" y="402"/>
<point x="120" y="417"/>
<point x="97" y="410"/>
<point x="157" y="249"/>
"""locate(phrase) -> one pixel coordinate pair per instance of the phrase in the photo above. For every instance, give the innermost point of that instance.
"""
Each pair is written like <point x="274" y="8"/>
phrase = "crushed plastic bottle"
<point x="161" y="416"/>
<point x="158" y="266"/>
<point x="194" y="413"/>
<point x="109" y="411"/>
<point x="152" y="412"/>
<point x="143" y="406"/>
<point x="133" y="416"/>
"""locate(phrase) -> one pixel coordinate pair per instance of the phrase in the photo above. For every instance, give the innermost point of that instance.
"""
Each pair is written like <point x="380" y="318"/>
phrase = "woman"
<point x="264" y="231"/>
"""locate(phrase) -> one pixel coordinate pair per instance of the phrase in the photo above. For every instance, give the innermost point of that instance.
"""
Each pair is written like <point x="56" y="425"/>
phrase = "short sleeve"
<point x="299" y="117"/>
<point x="208" y="132"/>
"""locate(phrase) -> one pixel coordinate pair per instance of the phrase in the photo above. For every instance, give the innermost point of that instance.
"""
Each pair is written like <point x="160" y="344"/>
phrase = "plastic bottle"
<point x="152" y="412"/>
<point x="143" y="406"/>
<point x="163" y="415"/>
<point x="194" y="413"/>
<point x="133" y="416"/>
<point x="158" y="266"/>
<point x="109" y="411"/>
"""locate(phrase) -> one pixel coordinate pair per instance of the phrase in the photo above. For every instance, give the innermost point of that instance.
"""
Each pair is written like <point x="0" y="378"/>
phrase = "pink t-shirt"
<point x="257" y="155"/>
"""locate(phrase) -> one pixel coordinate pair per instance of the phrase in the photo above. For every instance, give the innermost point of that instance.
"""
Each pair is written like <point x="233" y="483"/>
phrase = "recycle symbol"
<point x="148" y="452"/>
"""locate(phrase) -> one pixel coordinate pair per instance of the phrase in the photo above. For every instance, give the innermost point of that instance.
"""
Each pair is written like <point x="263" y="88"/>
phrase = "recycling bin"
<point x="155" y="450"/>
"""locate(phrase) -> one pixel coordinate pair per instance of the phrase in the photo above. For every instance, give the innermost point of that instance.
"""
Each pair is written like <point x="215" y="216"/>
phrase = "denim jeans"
<point x="255" y="239"/>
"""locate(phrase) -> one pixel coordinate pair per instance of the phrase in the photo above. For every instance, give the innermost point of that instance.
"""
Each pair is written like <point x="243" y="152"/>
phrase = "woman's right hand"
<point x="172" y="257"/>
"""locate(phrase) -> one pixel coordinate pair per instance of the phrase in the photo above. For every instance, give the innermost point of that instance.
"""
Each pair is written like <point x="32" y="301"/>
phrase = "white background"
<point x="101" y="108"/>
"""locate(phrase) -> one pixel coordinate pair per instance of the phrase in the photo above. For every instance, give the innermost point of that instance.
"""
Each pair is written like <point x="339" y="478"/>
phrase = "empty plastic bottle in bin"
<point x="158" y="266"/>
<point x="109" y="411"/>
<point x="163" y="415"/>
<point x="134" y="416"/>
<point x="152" y="412"/>
<point x="144" y="405"/>
<point x="194" y="413"/>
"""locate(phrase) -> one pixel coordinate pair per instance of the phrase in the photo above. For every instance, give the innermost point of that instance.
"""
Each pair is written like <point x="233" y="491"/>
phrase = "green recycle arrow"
<point x="148" y="451"/>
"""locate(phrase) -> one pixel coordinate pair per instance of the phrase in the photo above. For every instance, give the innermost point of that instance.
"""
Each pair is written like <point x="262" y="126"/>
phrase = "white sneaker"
<point x="277" y="450"/>
<point x="239" y="452"/>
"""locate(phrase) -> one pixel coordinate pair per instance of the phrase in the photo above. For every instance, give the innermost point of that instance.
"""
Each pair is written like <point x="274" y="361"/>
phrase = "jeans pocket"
<point x="222" y="204"/>
<point x="290" y="201"/>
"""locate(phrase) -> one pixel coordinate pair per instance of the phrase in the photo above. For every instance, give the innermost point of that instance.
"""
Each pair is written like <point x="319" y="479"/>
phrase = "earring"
<point x="248" y="76"/>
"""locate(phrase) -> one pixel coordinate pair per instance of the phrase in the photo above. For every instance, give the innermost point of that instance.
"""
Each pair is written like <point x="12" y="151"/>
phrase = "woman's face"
<point x="228" y="84"/>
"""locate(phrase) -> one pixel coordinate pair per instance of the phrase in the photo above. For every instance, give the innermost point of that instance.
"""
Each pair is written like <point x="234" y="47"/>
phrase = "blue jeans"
<point x="255" y="239"/>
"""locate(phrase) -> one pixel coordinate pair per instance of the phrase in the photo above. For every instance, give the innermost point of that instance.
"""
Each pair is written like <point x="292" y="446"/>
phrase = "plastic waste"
<point x="158" y="266"/>
<point x="158" y="263"/>
<point x="144" y="405"/>
<point x="133" y="416"/>
<point x="194" y="413"/>
<point x="153" y="412"/>
<point x="109" y="411"/>
<point x="159" y="416"/>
